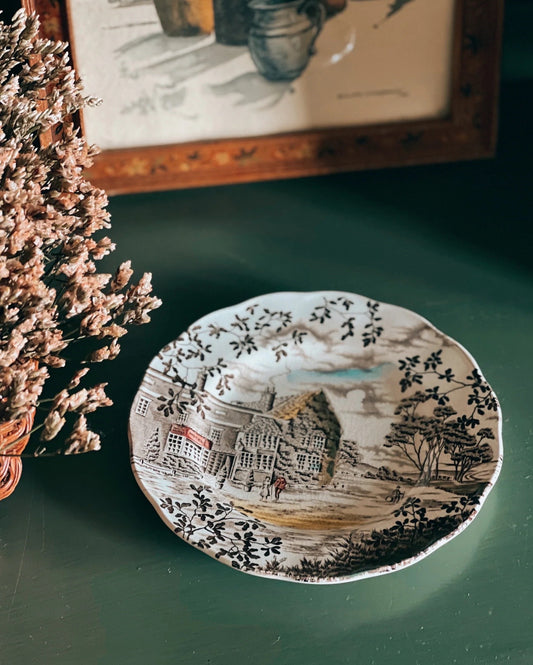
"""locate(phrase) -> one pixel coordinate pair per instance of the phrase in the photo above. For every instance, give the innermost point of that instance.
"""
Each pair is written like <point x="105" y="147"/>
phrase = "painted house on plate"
<point x="241" y="443"/>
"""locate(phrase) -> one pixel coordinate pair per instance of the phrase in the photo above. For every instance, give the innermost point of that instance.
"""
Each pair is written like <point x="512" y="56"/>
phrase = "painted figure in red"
<point x="279" y="486"/>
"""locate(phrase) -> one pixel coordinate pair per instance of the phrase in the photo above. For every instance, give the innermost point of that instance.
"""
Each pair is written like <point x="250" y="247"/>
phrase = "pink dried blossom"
<point x="122" y="276"/>
<point x="105" y="353"/>
<point x="75" y="401"/>
<point x="54" y="361"/>
<point x="93" y="323"/>
<point x="78" y="376"/>
<point x="82" y="440"/>
<point x="144" y="287"/>
<point x="113" y="330"/>
<point x="53" y="424"/>
<point x="96" y="398"/>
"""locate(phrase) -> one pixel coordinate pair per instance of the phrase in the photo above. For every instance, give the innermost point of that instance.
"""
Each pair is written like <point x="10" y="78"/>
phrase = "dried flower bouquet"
<point x="51" y="218"/>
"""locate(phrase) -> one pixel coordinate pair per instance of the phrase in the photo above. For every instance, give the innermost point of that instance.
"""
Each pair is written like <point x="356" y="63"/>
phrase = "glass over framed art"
<point x="199" y="92"/>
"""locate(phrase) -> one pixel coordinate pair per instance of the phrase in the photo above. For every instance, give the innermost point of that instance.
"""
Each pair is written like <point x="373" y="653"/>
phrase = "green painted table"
<point x="89" y="573"/>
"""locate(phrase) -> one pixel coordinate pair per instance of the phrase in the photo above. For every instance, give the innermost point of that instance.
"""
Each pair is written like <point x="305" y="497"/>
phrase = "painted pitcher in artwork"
<point x="280" y="33"/>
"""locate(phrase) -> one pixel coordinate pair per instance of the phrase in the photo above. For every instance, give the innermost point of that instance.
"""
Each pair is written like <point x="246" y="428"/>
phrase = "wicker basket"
<point x="10" y="462"/>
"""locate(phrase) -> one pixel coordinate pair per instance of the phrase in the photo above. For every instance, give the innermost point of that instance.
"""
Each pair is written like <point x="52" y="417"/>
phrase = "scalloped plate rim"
<point x="379" y="570"/>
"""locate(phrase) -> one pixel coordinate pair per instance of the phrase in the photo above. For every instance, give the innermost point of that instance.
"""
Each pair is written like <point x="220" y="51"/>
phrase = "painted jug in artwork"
<point x="282" y="36"/>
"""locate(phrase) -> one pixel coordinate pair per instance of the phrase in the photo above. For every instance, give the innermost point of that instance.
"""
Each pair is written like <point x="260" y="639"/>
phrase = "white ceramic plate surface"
<point x="315" y="437"/>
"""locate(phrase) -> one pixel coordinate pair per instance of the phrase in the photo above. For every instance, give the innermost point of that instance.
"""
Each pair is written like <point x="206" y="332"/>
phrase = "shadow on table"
<point x="482" y="206"/>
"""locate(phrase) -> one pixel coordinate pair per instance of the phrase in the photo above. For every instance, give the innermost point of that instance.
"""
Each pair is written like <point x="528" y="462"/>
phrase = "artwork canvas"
<point x="173" y="71"/>
<point x="315" y="437"/>
<point x="203" y="92"/>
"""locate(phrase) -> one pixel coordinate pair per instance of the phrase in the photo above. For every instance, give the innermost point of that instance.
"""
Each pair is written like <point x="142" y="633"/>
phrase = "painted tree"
<point x="420" y="437"/>
<point x="349" y="453"/>
<point x="153" y="445"/>
<point x="468" y="450"/>
<point x="423" y="439"/>
<point x="423" y="436"/>
<point x="222" y="476"/>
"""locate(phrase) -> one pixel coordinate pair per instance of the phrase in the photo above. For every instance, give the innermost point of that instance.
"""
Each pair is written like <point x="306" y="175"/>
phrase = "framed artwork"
<point x="203" y="92"/>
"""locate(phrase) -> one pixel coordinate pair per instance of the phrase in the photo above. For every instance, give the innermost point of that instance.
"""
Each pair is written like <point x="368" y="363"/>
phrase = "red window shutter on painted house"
<point x="190" y="434"/>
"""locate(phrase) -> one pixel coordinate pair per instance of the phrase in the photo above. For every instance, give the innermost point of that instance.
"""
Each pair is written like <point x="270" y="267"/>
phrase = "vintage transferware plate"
<point x="315" y="437"/>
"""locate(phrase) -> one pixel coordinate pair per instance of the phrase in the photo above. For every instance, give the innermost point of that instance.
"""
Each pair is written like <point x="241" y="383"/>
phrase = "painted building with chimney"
<point x="240" y="443"/>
